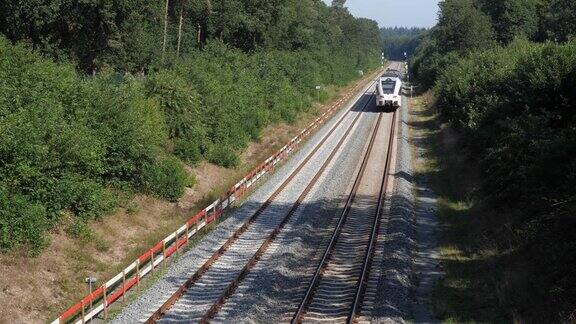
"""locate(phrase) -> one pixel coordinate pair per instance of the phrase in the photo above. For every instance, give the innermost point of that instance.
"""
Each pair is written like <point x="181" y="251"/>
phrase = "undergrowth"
<point x="495" y="270"/>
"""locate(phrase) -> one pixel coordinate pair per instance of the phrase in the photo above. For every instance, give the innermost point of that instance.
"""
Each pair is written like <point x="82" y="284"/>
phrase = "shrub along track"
<point x="218" y="277"/>
<point x="336" y="290"/>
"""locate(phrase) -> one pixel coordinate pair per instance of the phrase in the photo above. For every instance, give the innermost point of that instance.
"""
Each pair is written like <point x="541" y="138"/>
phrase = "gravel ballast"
<point x="272" y="291"/>
<point x="407" y="259"/>
<point x="390" y="284"/>
<point x="179" y="271"/>
<point x="404" y="268"/>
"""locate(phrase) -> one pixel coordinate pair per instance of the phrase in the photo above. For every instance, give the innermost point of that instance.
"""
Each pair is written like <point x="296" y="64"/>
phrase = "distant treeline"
<point x="94" y="103"/>
<point x="505" y="76"/>
<point x="399" y="40"/>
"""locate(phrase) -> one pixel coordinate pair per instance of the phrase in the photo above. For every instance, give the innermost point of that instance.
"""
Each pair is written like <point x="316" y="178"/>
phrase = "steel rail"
<point x="206" y="266"/>
<point x="369" y="256"/>
<point x="297" y="318"/>
<point x="270" y="239"/>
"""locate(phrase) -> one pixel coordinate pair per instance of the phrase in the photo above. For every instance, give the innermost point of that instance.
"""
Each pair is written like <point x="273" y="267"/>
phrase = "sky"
<point x="391" y="13"/>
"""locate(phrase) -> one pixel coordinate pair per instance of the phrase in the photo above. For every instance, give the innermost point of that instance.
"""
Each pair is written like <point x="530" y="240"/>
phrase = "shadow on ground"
<point x="468" y="292"/>
<point x="274" y="288"/>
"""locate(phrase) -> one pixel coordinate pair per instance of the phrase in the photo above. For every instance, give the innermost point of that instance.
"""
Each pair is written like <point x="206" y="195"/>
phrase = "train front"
<point x="388" y="93"/>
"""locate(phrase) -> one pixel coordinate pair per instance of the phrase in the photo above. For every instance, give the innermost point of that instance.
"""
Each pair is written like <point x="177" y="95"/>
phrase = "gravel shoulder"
<point x="427" y="269"/>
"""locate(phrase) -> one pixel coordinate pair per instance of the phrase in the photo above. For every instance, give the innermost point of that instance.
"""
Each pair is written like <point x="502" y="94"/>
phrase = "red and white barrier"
<point x="117" y="287"/>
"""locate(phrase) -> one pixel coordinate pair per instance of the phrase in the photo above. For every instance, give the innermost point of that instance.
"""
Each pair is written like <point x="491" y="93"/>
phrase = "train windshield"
<point x="388" y="86"/>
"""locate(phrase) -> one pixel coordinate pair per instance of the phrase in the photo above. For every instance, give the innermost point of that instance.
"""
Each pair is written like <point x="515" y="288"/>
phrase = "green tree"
<point x="560" y="20"/>
<point x="71" y="138"/>
<point x="93" y="33"/>
<point x="338" y="3"/>
<point x="514" y="18"/>
<point x="397" y="41"/>
<point x="462" y="27"/>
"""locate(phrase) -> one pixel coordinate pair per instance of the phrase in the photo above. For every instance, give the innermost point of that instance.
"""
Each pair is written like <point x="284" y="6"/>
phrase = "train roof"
<point x="390" y="73"/>
<point x="390" y="78"/>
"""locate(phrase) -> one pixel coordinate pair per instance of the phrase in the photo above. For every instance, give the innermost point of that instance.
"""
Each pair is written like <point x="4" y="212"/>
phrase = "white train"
<point x="389" y="90"/>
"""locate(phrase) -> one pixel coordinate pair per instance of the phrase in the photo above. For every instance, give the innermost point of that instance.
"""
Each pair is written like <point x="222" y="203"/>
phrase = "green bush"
<point x="67" y="138"/>
<point x="218" y="100"/>
<point x="130" y="124"/>
<point x="516" y="106"/>
<point x="187" y="150"/>
<point x="86" y="198"/>
<point x="224" y="156"/>
<point x="165" y="178"/>
<point x="21" y="222"/>
<point x="80" y="229"/>
<point x="180" y="103"/>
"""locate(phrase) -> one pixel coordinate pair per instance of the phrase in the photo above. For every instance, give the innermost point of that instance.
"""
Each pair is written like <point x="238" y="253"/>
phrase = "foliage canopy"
<point x="91" y="105"/>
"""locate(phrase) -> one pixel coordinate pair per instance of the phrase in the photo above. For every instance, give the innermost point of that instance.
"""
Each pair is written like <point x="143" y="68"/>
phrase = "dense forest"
<point x="99" y="98"/>
<point x="504" y="73"/>
<point x="399" y="40"/>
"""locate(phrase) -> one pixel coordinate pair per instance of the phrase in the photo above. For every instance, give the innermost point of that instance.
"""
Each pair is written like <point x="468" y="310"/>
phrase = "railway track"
<point x="202" y="295"/>
<point x="336" y="292"/>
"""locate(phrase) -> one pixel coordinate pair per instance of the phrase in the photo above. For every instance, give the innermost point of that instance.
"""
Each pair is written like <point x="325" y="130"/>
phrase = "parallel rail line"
<point x="369" y="256"/>
<point x="264" y="247"/>
<point x="233" y="283"/>
<point x="336" y="298"/>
